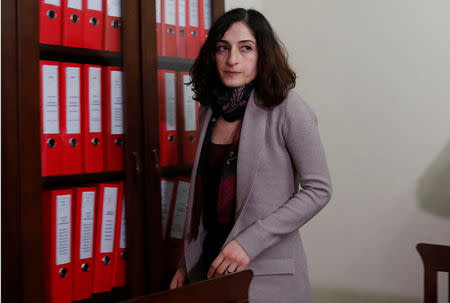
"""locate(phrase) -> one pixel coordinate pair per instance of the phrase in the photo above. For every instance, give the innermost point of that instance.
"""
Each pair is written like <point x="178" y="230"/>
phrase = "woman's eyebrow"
<point x="242" y="41"/>
<point x="246" y="41"/>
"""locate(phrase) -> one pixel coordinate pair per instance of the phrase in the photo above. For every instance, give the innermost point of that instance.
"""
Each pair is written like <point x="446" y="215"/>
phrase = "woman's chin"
<point x="233" y="83"/>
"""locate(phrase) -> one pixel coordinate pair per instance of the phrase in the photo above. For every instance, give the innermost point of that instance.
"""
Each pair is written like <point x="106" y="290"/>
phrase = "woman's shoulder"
<point x="295" y="106"/>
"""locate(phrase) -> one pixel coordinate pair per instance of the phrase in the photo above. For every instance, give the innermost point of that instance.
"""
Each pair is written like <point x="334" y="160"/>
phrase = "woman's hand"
<point x="232" y="258"/>
<point x="179" y="278"/>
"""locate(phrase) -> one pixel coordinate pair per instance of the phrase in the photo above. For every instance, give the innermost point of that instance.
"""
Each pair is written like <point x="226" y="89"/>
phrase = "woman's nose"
<point x="233" y="57"/>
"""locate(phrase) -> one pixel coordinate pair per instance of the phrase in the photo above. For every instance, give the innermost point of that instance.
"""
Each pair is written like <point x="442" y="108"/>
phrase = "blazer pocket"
<point x="273" y="267"/>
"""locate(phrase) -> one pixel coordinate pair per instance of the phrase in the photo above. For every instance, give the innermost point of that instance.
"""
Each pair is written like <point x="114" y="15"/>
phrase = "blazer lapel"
<point x="250" y="147"/>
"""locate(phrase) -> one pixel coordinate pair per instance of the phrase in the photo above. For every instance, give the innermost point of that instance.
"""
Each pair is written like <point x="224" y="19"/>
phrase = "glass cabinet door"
<point x="181" y="29"/>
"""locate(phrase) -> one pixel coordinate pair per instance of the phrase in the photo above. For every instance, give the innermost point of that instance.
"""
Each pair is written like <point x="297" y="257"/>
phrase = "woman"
<point x="258" y="141"/>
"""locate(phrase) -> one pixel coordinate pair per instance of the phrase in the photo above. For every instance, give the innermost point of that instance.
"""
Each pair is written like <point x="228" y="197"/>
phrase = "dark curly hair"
<point x="275" y="77"/>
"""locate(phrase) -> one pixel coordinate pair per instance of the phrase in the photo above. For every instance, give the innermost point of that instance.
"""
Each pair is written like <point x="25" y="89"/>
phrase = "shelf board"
<point x="80" y="55"/>
<point x="176" y="171"/>
<point x="63" y="181"/>
<point x="118" y="294"/>
<point x="176" y="64"/>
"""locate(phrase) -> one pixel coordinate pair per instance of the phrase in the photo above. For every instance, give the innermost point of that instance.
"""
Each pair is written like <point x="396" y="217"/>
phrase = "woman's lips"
<point x="231" y="73"/>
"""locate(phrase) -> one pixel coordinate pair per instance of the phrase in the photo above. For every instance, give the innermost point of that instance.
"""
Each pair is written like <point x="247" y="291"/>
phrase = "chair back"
<point x="435" y="258"/>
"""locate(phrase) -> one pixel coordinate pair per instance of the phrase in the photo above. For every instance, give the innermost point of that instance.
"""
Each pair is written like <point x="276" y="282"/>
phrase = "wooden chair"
<point x="435" y="258"/>
<point x="232" y="288"/>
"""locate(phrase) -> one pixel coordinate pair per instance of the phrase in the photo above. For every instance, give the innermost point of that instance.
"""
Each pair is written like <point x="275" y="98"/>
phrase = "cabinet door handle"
<point x="137" y="164"/>
<point x="156" y="157"/>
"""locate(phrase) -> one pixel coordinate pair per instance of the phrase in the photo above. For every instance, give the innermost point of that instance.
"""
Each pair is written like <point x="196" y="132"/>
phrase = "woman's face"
<point x="237" y="56"/>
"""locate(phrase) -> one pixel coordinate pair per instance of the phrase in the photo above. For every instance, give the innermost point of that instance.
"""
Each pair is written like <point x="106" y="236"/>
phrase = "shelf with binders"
<point x="82" y="102"/>
<point x="181" y="29"/>
<point x="174" y="196"/>
<point x="178" y="123"/>
<point x="93" y="24"/>
<point x="86" y="228"/>
<point x="23" y="203"/>
<point x="178" y="139"/>
<point x="182" y="26"/>
<point x="180" y="67"/>
<point x="82" y="118"/>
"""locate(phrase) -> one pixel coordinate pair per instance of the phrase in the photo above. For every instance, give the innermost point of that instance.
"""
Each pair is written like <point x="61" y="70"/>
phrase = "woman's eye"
<point x="222" y="48"/>
<point x="247" y="48"/>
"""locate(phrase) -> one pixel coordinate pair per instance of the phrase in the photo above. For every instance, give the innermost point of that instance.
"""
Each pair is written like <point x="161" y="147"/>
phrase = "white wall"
<point x="377" y="74"/>
<point x="253" y="4"/>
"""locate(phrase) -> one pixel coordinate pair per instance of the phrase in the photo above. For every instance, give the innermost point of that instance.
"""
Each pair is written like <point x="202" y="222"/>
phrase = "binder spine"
<point x="51" y="144"/>
<point x="113" y="118"/>
<point x="93" y="24"/>
<point x="175" y="243"/>
<point x="106" y="211"/>
<point x="50" y="21"/>
<point x="120" y="256"/>
<point x="84" y="223"/>
<point x="57" y="224"/>
<point x="113" y="25"/>
<point x="181" y="30"/>
<point x="169" y="28"/>
<point x="72" y="23"/>
<point x="158" y="27"/>
<point x="167" y="115"/>
<point x="70" y="88"/>
<point x="93" y="139"/>
<point x="193" y="37"/>
<point x="188" y="113"/>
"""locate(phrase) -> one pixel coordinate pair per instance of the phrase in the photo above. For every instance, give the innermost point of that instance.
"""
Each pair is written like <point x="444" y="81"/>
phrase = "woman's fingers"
<point x="232" y="268"/>
<point x="178" y="279"/>
<point x="222" y="268"/>
<point x="230" y="259"/>
<point x="174" y="283"/>
<point x="215" y="264"/>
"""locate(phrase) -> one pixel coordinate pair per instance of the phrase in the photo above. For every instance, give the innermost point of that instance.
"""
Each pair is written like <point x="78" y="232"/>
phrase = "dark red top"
<point x="220" y="193"/>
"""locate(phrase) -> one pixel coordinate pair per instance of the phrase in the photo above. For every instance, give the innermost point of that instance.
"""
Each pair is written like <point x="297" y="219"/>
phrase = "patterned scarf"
<point x="231" y="102"/>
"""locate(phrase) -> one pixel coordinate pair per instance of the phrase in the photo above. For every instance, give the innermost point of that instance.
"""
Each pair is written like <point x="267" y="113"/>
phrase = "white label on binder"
<point x="95" y="100"/>
<point x="76" y="4"/>
<point x="193" y="13"/>
<point x="123" y="228"/>
<point x="95" y="5"/>
<point x="166" y="199"/>
<point x="170" y="14"/>
<point x="190" y="117"/>
<point x="53" y="2"/>
<point x="116" y="103"/>
<point x="50" y="99"/>
<point x="158" y="11"/>
<point x="182" y="12"/>
<point x="108" y="219"/>
<point x="63" y="230"/>
<point x="207" y="13"/>
<point x="179" y="215"/>
<point x="87" y="224"/>
<point x="114" y="8"/>
<point x="73" y="109"/>
<point x="171" y="123"/>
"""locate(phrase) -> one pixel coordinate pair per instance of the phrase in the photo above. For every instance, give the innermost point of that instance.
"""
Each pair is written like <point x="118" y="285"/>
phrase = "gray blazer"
<point x="278" y="150"/>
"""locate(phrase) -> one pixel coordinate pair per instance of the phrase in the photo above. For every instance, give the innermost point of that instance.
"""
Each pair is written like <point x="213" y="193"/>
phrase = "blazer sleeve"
<point x="301" y="136"/>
